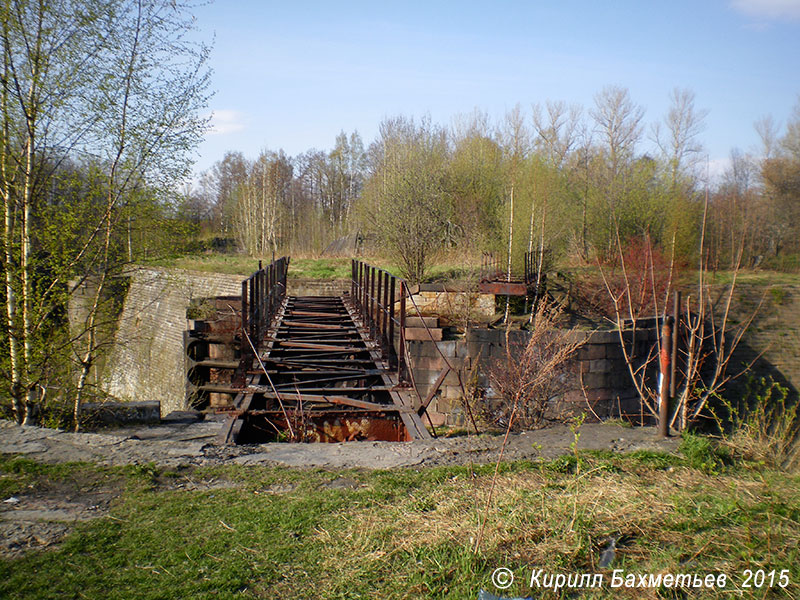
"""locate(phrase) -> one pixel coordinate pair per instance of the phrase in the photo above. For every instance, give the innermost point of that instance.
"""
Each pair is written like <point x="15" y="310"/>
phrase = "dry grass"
<point x="671" y="520"/>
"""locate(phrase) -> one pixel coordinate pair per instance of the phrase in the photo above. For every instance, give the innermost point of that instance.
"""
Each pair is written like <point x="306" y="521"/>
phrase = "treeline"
<point x="566" y="181"/>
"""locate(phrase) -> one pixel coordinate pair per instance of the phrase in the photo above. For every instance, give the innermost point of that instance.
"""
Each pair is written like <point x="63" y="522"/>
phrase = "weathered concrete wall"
<point x="147" y="360"/>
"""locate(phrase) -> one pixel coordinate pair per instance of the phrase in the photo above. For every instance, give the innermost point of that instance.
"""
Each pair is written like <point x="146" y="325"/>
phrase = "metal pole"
<point x="401" y="358"/>
<point x="244" y="305"/>
<point x="676" y="313"/>
<point x="666" y="354"/>
<point x="386" y="340"/>
<point x="252" y="307"/>
<point x="392" y="281"/>
<point x="378" y="315"/>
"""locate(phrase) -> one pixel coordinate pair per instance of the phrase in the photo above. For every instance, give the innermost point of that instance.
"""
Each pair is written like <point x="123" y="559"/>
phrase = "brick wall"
<point x="599" y="364"/>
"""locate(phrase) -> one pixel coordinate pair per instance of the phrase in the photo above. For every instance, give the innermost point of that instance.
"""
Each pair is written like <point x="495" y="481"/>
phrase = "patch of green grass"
<point x="409" y="533"/>
<point x="703" y="453"/>
<point x="231" y="264"/>
<point x="320" y="268"/>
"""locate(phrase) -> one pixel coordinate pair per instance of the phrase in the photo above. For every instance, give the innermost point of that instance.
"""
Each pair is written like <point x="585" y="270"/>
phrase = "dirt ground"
<point x="47" y="511"/>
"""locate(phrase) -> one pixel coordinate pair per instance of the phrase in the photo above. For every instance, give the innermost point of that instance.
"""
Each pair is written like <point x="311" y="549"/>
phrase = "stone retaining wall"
<point x="599" y="364"/>
<point x="147" y="360"/>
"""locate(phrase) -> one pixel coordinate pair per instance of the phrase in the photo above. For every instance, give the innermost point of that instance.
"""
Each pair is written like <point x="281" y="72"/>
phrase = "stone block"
<point x="600" y="395"/>
<point x="483" y="336"/>
<point x="592" y="352"/>
<point x="423" y="389"/>
<point x="431" y="322"/>
<point x="600" y="366"/>
<point x="475" y="349"/>
<point x="453" y="392"/>
<point x="427" y="349"/>
<point x="437" y="418"/>
<point x="451" y="378"/>
<point x="117" y="413"/>
<point x="425" y="376"/>
<point x="604" y="337"/>
<point x="448" y="348"/>
<point x="593" y="381"/>
<point x="420" y="333"/>
<point x="427" y="363"/>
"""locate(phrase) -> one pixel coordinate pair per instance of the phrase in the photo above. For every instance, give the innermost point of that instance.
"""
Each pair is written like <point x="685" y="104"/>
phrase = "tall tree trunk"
<point x="510" y="245"/>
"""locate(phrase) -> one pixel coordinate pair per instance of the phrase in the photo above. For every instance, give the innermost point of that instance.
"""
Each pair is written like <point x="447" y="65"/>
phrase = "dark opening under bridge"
<point x="321" y="368"/>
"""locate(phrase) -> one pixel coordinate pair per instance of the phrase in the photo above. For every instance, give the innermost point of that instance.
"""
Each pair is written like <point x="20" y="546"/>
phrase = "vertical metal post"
<point x="244" y="311"/>
<point x="353" y="278"/>
<point x="666" y="355"/>
<point x="379" y="304"/>
<point x="384" y="333"/>
<point x="391" y="317"/>
<point x="372" y="306"/>
<point x="364" y="292"/>
<point x="271" y="277"/>
<point x="401" y="355"/>
<point x="252" y="307"/>
<point x="269" y="289"/>
<point x="259" y="283"/>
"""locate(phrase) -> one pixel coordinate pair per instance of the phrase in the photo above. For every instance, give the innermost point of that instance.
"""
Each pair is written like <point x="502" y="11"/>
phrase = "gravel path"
<point x="184" y="443"/>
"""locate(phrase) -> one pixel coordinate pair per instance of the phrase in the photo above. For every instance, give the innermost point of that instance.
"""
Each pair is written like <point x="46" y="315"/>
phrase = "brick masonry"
<point x="598" y="375"/>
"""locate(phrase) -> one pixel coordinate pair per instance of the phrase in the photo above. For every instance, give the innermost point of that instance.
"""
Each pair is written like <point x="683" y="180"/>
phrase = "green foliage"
<point x="778" y="295"/>
<point x="703" y="453"/>
<point x="763" y="424"/>
<point x="406" y="200"/>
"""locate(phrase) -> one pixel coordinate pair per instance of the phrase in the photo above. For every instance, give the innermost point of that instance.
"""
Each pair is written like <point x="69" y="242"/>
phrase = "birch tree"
<point x="114" y="80"/>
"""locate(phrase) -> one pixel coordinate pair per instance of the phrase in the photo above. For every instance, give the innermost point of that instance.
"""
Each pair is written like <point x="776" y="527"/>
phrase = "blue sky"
<point x="291" y="75"/>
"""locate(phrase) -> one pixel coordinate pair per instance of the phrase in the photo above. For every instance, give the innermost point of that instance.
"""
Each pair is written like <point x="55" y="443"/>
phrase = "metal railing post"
<point x="391" y="317"/>
<point x="401" y="354"/>
<point x="378" y="313"/>
<point x="384" y="332"/>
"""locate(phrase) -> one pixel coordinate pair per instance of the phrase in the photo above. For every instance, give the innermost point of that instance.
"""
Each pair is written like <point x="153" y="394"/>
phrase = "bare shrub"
<point x="635" y="277"/>
<point x="530" y="375"/>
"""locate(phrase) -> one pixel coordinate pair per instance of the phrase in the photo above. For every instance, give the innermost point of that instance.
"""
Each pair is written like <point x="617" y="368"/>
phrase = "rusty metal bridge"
<point x="319" y="368"/>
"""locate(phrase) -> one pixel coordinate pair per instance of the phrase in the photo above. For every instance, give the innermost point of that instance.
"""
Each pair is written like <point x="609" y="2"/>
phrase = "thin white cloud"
<point x="226" y="121"/>
<point x="769" y="9"/>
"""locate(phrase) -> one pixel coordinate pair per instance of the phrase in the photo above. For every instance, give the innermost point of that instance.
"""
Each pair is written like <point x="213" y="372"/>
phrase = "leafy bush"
<point x="762" y="424"/>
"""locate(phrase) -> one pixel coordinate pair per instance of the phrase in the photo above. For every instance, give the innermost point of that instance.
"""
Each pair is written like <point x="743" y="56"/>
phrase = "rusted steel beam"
<point x="326" y="347"/>
<point x="435" y="388"/>
<point x="333" y="399"/>
<point x="503" y="288"/>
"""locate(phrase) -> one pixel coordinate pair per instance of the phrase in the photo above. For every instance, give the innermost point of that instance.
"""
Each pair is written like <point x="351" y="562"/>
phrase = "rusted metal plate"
<point x="325" y="428"/>
<point x="503" y="288"/>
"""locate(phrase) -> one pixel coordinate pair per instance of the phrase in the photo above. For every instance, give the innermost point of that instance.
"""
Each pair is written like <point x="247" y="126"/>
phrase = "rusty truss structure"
<point x="321" y="368"/>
